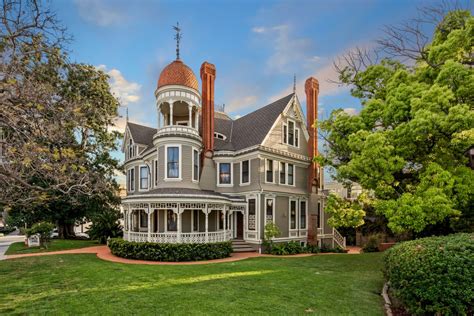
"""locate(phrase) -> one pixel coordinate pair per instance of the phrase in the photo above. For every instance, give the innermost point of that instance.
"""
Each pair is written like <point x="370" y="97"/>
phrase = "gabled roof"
<point x="141" y="134"/>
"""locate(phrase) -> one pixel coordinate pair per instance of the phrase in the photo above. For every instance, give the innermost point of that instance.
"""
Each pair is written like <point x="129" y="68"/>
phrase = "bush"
<point x="287" y="248"/>
<point x="325" y="249"/>
<point x="104" y="225"/>
<point x="169" y="252"/>
<point x="372" y="244"/>
<point x="433" y="275"/>
<point x="6" y="230"/>
<point x="44" y="230"/>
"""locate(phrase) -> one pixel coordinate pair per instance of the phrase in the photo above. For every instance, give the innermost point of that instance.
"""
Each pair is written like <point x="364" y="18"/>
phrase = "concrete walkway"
<point x="103" y="252"/>
<point x="6" y="241"/>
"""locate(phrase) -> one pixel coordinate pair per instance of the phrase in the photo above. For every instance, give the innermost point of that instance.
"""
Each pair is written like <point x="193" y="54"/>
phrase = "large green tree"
<point x="408" y="145"/>
<point x="56" y="116"/>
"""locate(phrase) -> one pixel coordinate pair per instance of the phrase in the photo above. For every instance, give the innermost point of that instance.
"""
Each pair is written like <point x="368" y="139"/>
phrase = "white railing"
<point x="177" y="130"/>
<point x="339" y="239"/>
<point x="174" y="237"/>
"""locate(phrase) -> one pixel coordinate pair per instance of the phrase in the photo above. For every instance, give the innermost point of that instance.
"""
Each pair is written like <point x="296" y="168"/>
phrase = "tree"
<point x="56" y="117"/>
<point x="105" y="224"/>
<point x="408" y="145"/>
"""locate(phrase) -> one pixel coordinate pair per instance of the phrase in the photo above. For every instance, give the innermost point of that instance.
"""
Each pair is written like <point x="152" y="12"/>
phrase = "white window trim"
<point x="273" y="171"/>
<point x="241" y="172"/>
<point x="287" y="174"/>
<point x="279" y="172"/>
<point x="180" y="155"/>
<point x="299" y="215"/>
<point x="231" y="184"/>
<point x="131" y="188"/>
<point x="140" y="189"/>
<point x="273" y="210"/>
<point x="288" y="132"/>
<point x="289" y="214"/>
<point x="248" y="214"/>
<point x="192" y="168"/>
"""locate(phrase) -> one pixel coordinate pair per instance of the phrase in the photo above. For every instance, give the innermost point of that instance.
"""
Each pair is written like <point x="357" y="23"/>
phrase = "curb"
<point x="387" y="303"/>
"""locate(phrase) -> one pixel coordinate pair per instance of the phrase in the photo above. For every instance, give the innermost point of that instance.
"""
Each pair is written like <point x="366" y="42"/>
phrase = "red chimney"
<point x="208" y="75"/>
<point x="312" y="89"/>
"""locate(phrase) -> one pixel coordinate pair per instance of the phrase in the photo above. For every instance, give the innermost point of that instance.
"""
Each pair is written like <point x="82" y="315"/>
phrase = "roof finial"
<point x="294" y="83"/>
<point x="127" y="113"/>
<point x="177" y="37"/>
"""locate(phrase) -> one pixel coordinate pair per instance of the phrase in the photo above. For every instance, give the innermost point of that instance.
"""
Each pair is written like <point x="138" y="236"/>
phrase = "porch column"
<point x="159" y="115"/>
<point x="190" y="110"/>
<point x="207" y="226"/>
<point x="179" y="227"/>
<point x="149" y="223"/>
<point x="225" y="224"/>
<point x="170" y="122"/>
<point x="196" y="118"/>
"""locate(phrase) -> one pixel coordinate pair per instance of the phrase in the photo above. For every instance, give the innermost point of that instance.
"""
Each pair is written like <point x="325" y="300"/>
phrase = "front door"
<point x="240" y="225"/>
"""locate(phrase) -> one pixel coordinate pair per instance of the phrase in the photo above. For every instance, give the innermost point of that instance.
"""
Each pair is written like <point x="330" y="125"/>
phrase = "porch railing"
<point x="174" y="237"/>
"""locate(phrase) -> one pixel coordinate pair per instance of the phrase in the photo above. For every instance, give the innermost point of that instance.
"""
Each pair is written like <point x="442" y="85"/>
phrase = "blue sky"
<point x="257" y="46"/>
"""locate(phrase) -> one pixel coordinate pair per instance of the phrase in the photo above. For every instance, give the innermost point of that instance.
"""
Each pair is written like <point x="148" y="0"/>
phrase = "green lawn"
<point x="19" y="248"/>
<point x="84" y="284"/>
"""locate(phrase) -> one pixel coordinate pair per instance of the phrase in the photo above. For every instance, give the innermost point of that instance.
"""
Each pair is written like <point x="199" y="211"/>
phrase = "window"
<point x="195" y="165"/>
<point x="172" y="156"/>
<point x="196" y="220"/>
<point x="292" y="214"/>
<point x="131" y="179"/>
<point x="156" y="172"/>
<point x="291" y="132"/>
<point x="282" y="173"/>
<point x="269" y="170"/>
<point x="285" y="134"/>
<point x="269" y="210"/>
<point x="143" y="178"/>
<point x="143" y="219"/>
<point x="297" y="137"/>
<point x="291" y="178"/>
<point x="219" y="136"/>
<point x="171" y="221"/>
<point x="130" y="149"/>
<point x="225" y="173"/>
<point x="302" y="214"/>
<point x="252" y="214"/>
<point x="319" y="215"/>
<point x="245" y="172"/>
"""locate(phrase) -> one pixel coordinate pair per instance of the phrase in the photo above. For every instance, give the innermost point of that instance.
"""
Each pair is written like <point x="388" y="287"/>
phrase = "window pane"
<point x="290" y="174"/>
<point x="173" y="162"/>
<point x="285" y="132"/>
<point x="269" y="210"/>
<point x="156" y="171"/>
<point x="172" y="221"/>
<point x="251" y="206"/>
<point x="293" y="215"/>
<point x="297" y="138"/>
<point x="245" y="171"/>
<point x="224" y="173"/>
<point x="303" y="215"/>
<point x="269" y="170"/>
<point x="196" y="165"/>
<point x="291" y="133"/>
<point x="319" y="216"/>
<point x="143" y="177"/>
<point x="282" y="173"/>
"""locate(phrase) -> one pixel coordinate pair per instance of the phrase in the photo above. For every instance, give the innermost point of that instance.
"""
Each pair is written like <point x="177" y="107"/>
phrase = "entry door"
<point x="240" y="225"/>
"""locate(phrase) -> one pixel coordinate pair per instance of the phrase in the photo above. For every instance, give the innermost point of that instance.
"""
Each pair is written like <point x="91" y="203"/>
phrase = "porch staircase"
<point x="240" y="245"/>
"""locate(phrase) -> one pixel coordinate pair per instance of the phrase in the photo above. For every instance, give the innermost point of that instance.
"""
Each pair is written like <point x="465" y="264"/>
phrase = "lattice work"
<point x="164" y="205"/>
<point x="138" y="237"/>
<point x="215" y="206"/>
<point x="269" y="219"/>
<point x="192" y="206"/>
<point x="193" y="238"/>
<point x="139" y="205"/>
<point x="172" y="237"/>
<point x="237" y="208"/>
<point x="252" y="220"/>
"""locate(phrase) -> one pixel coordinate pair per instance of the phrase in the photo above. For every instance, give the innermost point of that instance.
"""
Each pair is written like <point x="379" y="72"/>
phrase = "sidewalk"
<point x="6" y="241"/>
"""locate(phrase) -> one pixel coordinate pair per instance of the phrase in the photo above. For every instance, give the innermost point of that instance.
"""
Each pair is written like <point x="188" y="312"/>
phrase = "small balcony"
<point x="178" y="130"/>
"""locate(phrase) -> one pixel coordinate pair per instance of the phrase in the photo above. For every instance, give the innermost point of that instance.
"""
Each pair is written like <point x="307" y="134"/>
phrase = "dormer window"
<point x="219" y="136"/>
<point x="291" y="134"/>
<point x="131" y="152"/>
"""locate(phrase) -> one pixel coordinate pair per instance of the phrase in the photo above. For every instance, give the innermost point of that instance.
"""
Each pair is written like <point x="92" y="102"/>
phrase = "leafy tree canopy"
<point x="409" y="143"/>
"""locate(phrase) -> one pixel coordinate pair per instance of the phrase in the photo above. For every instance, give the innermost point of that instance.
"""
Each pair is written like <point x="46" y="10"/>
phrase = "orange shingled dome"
<point x="177" y="73"/>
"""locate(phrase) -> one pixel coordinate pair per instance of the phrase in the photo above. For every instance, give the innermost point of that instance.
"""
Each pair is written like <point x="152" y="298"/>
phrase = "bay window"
<point x="143" y="178"/>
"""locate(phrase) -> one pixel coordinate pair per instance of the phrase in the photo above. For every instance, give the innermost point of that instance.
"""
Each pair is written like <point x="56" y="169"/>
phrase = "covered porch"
<point x="181" y="222"/>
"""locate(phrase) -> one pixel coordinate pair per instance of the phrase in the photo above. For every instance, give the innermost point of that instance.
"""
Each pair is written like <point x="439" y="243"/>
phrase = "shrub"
<point x="325" y="249"/>
<point x="44" y="230"/>
<point x="287" y="248"/>
<point x="169" y="252"/>
<point x="6" y="230"/>
<point x="433" y="275"/>
<point x="372" y="244"/>
<point x="105" y="224"/>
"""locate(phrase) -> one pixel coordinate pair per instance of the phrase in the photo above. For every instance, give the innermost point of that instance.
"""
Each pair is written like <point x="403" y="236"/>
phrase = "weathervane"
<point x="177" y="37"/>
<point x="294" y="84"/>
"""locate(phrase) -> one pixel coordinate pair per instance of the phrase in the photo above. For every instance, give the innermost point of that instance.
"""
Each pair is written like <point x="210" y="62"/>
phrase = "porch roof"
<point x="184" y="193"/>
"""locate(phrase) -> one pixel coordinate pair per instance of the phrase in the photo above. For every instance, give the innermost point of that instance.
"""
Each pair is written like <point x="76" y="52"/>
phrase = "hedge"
<point x="169" y="252"/>
<point x="433" y="275"/>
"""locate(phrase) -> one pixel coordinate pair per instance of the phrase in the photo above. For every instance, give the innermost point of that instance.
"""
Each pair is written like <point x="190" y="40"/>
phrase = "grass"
<point x="19" y="248"/>
<point x="84" y="284"/>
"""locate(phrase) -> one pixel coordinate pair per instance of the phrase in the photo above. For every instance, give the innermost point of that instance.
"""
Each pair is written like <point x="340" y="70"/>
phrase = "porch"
<point x="171" y="222"/>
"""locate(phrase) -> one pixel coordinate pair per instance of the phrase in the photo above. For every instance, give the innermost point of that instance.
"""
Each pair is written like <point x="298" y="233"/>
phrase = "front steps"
<point x="240" y="245"/>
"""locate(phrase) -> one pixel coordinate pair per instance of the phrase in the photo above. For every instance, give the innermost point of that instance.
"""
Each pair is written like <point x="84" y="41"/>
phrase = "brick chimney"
<point x="208" y="75"/>
<point x="312" y="90"/>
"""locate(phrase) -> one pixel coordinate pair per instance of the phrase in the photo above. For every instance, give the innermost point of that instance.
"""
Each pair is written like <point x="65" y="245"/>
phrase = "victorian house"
<point x="201" y="176"/>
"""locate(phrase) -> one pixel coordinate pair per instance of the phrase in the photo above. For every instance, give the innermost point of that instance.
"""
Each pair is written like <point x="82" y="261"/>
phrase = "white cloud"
<point x="259" y="29"/>
<point x="236" y="117"/>
<point x="241" y="103"/>
<point x="100" y="12"/>
<point x="125" y="91"/>
<point x="351" y="111"/>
